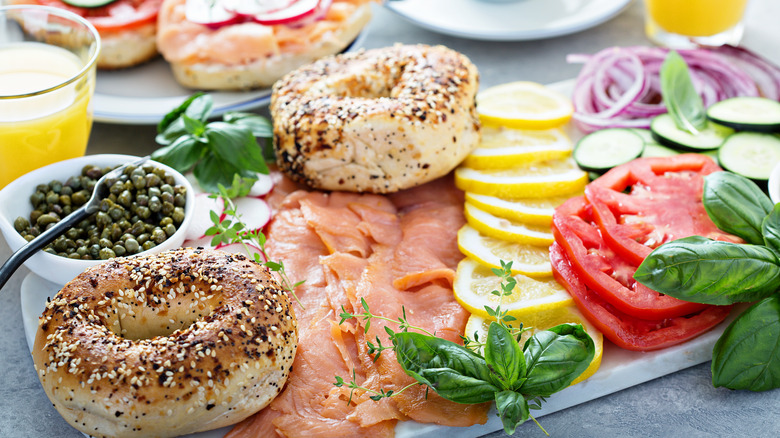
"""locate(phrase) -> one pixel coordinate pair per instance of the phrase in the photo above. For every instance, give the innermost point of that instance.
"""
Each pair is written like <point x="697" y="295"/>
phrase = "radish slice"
<point x="203" y="242"/>
<point x="297" y="11"/>
<point x="209" y="13"/>
<point x="237" y="248"/>
<point x="262" y="186"/>
<point x="319" y="14"/>
<point x="201" y="215"/>
<point x="254" y="7"/>
<point x="254" y="212"/>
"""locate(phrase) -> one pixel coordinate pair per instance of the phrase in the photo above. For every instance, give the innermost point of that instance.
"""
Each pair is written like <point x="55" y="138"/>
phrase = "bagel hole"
<point x="137" y="320"/>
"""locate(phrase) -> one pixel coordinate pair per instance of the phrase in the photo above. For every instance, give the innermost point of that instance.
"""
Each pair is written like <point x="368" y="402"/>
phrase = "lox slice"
<point x="664" y="204"/>
<point x="624" y="330"/>
<point x="606" y="272"/>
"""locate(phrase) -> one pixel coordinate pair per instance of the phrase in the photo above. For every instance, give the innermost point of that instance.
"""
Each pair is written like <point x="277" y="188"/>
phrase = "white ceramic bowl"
<point x="14" y="202"/>
<point x="773" y="185"/>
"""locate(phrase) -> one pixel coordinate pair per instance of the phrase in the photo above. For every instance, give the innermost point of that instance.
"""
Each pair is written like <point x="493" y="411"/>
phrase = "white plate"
<point x="620" y="369"/>
<point x="143" y="95"/>
<point x="502" y="20"/>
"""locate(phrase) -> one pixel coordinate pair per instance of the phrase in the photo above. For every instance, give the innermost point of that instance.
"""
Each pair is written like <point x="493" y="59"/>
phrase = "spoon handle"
<point x="48" y="236"/>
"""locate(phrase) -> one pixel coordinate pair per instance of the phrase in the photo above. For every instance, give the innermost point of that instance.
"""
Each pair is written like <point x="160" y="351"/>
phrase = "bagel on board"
<point x="251" y="55"/>
<point x="165" y="345"/>
<point x="378" y="120"/>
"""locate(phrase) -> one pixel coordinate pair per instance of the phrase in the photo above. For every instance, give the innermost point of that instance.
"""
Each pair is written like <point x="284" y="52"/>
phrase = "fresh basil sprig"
<point x="215" y="151"/>
<point x="747" y="355"/>
<point x="517" y="378"/>
<point x="679" y="95"/>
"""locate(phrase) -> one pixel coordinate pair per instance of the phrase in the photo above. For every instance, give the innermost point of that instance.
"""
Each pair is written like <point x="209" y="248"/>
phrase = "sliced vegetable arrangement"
<point x="702" y="270"/>
<point x="601" y="238"/>
<point x="218" y="13"/>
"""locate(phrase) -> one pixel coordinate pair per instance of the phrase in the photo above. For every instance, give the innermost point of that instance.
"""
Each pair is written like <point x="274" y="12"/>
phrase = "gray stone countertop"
<point x="682" y="404"/>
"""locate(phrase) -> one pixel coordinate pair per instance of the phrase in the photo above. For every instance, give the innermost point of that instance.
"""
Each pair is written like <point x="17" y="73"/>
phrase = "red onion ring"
<point x="620" y="87"/>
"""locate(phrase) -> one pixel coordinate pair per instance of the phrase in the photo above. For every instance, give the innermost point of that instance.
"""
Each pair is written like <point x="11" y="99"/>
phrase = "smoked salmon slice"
<point x="398" y="253"/>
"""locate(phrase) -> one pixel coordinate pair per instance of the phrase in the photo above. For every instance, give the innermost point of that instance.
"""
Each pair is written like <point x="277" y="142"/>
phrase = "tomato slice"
<point x="606" y="272"/>
<point x="664" y="204"/>
<point x="116" y="16"/>
<point x="624" y="330"/>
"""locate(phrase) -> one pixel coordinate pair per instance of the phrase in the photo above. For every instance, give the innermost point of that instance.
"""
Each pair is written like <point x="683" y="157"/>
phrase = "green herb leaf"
<point x="680" y="97"/>
<point x="736" y="205"/>
<point x="169" y="118"/>
<point x="555" y="357"/>
<point x="770" y="229"/>
<point x="454" y="372"/>
<point x="193" y="127"/>
<point x="260" y="126"/>
<point x="747" y="354"/>
<point x="214" y="171"/>
<point x="708" y="271"/>
<point x="236" y="145"/>
<point x="504" y="355"/>
<point x="182" y="154"/>
<point x="513" y="410"/>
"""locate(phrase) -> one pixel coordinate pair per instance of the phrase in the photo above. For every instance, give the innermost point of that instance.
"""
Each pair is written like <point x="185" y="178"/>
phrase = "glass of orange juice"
<point x="47" y="79"/>
<point x="683" y="24"/>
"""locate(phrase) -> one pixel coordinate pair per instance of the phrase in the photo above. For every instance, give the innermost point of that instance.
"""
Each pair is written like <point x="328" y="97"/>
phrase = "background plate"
<point x="513" y="20"/>
<point x="143" y="95"/>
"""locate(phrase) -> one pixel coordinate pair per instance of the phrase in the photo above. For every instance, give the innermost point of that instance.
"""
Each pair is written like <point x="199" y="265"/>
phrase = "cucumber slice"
<point x="757" y="114"/>
<point x="657" y="150"/>
<point x="750" y="154"/>
<point x="602" y="150"/>
<point x="666" y="132"/>
<point x="88" y="3"/>
<point x="646" y="135"/>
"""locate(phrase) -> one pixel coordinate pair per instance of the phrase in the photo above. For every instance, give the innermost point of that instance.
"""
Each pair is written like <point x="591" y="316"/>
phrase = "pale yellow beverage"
<point x="678" y="23"/>
<point x="47" y="79"/>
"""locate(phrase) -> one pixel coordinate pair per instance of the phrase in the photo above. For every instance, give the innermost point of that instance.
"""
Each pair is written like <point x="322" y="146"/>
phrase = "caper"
<point x="125" y="198"/>
<point x="52" y="197"/>
<point x="132" y="245"/>
<point x="139" y="182"/>
<point x="116" y="212"/>
<point x="179" y="200"/>
<point x="105" y="243"/>
<point x="169" y="180"/>
<point x="170" y="229"/>
<point x="148" y="245"/>
<point x="34" y="215"/>
<point x="21" y="224"/>
<point x="94" y="251"/>
<point x="50" y="251"/>
<point x="165" y="221"/>
<point x="158" y="236"/>
<point x="94" y="173"/>
<point x="178" y="215"/>
<point x="106" y="253"/>
<point x="143" y="212"/>
<point x="45" y="219"/>
<point x="166" y="197"/>
<point x="56" y="209"/>
<point x="117" y="187"/>
<point x="64" y="200"/>
<point x="102" y="219"/>
<point x="80" y="197"/>
<point x="142" y="200"/>
<point x="166" y="188"/>
<point x="152" y="179"/>
<point x="55" y="186"/>
<point x="66" y="210"/>
<point x="142" y="238"/>
<point x="153" y="191"/>
<point x="81" y="250"/>
<point x="167" y="208"/>
<point x="66" y="190"/>
<point x="37" y="198"/>
<point x="74" y="256"/>
<point x="116" y="232"/>
<point x="72" y="233"/>
<point x="106" y="204"/>
<point x="119" y="250"/>
<point x="28" y="237"/>
<point x="154" y="204"/>
<point x="73" y="183"/>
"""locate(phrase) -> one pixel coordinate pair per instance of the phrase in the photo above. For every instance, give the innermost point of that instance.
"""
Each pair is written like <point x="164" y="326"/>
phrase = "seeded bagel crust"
<point x="378" y="120"/>
<point x="165" y="345"/>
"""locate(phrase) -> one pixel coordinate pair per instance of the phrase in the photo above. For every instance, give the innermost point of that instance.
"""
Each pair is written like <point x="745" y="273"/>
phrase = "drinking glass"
<point x="683" y="24"/>
<point x="47" y="79"/>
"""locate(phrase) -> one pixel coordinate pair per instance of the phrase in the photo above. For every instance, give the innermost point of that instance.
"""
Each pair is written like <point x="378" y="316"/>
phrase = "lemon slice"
<point x="503" y="148"/>
<point x="506" y="229"/>
<point x="529" y="210"/>
<point x="523" y="105"/>
<point x="542" y="321"/>
<point x="474" y="284"/>
<point x="537" y="180"/>
<point x="530" y="260"/>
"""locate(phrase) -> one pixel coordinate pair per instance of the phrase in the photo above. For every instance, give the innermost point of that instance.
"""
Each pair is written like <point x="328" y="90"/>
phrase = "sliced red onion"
<point x="209" y="13"/>
<point x="293" y="13"/>
<point x="619" y="86"/>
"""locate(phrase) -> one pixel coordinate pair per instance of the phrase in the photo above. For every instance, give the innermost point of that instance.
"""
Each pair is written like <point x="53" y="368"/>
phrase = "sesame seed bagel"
<point x="165" y="345"/>
<point x="378" y="120"/>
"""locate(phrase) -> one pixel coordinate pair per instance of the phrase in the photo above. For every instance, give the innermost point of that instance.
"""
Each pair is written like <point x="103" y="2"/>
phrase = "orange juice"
<point x="696" y="18"/>
<point x="41" y="128"/>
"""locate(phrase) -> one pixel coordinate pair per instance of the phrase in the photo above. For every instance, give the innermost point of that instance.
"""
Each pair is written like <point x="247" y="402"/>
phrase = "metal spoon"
<point x="100" y="192"/>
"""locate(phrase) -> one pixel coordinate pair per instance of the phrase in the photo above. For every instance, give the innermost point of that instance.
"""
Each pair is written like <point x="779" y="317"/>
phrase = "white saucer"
<point x="507" y="20"/>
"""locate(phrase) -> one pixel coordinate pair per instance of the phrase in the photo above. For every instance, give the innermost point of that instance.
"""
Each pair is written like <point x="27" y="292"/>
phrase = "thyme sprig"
<point x="230" y="229"/>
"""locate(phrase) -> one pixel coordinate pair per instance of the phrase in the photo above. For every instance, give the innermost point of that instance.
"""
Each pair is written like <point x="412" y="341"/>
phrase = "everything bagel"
<point x="378" y="120"/>
<point x="165" y="345"/>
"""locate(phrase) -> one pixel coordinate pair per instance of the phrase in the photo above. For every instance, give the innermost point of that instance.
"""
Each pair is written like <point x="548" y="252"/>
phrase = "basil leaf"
<point x="513" y="410"/>
<point x="504" y="355"/>
<point x="213" y="171"/>
<point x="708" y="271"/>
<point x="736" y="205"/>
<point x="454" y="372"/>
<point x="174" y="131"/>
<point x="555" y="357"/>
<point x="748" y="353"/>
<point x="172" y="116"/>
<point x="770" y="229"/>
<point x="236" y="145"/>
<point x="680" y="97"/>
<point x="260" y="126"/>
<point x="182" y="154"/>
<point x="200" y="108"/>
